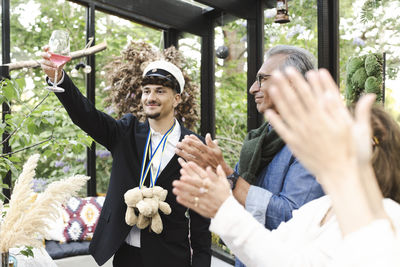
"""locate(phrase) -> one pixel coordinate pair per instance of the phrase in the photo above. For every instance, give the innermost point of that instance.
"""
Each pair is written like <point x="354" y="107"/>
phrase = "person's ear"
<point x="178" y="100"/>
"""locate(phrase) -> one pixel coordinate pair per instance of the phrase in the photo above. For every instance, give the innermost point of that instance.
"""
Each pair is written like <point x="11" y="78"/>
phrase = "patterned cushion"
<point x="82" y="216"/>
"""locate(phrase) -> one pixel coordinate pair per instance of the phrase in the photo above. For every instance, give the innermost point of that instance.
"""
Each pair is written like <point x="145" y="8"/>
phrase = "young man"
<point x="269" y="182"/>
<point x="185" y="240"/>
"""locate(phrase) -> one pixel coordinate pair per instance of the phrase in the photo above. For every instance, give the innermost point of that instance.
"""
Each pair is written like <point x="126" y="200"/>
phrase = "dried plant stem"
<point x="24" y="222"/>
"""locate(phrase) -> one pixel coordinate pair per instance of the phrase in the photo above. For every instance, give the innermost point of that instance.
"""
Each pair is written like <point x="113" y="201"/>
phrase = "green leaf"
<point x="2" y="99"/>
<point x="10" y="165"/>
<point x="9" y="91"/>
<point x="51" y="120"/>
<point x="15" y="159"/>
<point x="4" y="186"/>
<point x="32" y="128"/>
<point x="21" y="83"/>
<point x="27" y="251"/>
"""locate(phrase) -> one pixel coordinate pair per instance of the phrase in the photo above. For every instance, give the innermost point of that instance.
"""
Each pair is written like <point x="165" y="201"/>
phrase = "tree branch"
<point x="27" y="116"/>
<point x="27" y="147"/>
<point x="76" y="54"/>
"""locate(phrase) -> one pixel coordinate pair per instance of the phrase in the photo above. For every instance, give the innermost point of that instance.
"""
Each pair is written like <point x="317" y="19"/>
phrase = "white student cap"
<point x="166" y="70"/>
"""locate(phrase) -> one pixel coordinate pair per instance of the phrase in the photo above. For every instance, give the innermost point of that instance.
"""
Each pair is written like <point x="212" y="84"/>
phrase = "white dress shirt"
<point x="133" y="237"/>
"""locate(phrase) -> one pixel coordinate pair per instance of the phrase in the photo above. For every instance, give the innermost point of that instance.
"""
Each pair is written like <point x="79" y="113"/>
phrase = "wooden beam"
<point x="161" y="14"/>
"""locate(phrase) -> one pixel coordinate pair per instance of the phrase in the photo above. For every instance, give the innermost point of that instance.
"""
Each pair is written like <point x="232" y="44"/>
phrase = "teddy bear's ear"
<point x="133" y="196"/>
<point x="156" y="224"/>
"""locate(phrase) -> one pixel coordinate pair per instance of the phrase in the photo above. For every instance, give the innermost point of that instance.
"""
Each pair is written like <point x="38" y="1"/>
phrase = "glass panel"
<point x="301" y="31"/>
<point x="39" y="117"/>
<point x="231" y="84"/>
<point x="190" y="47"/>
<point x="372" y="27"/>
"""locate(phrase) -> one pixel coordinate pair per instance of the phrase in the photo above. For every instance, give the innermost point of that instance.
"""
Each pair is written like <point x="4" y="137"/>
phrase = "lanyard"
<point x="145" y="168"/>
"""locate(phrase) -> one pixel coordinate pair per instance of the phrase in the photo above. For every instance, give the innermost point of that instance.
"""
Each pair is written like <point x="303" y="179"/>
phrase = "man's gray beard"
<point x="153" y="116"/>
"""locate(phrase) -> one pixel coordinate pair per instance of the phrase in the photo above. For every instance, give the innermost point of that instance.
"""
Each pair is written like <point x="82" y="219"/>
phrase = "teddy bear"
<point x="146" y="202"/>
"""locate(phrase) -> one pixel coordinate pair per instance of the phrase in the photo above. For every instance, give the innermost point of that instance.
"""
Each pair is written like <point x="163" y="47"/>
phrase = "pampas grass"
<point x="24" y="222"/>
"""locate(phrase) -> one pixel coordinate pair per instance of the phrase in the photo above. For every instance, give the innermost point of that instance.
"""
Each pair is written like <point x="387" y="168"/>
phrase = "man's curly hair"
<point x="124" y="74"/>
<point x="160" y="81"/>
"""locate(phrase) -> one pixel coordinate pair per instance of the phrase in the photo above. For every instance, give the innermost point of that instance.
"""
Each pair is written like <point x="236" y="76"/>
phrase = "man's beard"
<point x="153" y="116"/>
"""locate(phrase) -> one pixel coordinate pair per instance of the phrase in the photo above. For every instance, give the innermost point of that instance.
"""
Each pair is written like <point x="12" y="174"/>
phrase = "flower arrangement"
<point x="23" y="223"/>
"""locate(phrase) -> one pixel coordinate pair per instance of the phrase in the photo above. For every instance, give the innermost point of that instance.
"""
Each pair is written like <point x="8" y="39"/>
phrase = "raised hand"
<point x="313" y="113"/>
<point x="201" y="190"/>
<point x="49" y="67"/>
<point x="209" y="155"/>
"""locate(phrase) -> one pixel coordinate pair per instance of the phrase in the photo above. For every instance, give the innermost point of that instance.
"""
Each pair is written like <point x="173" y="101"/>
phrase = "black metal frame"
<point x="90" y="93"/>
<point x="175" y="17"/>
<point x="328" y="36"/>
<point x="5" y="44"/>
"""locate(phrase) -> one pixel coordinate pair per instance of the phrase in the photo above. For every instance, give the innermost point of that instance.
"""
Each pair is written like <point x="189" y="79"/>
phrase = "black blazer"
<point x="125" y="139"/>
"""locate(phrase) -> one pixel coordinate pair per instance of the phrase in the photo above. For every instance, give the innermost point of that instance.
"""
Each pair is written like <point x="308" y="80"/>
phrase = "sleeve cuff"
<point x="49" y="82"/>
<point x="219" y="222"/>
<point x="257" y="201"/>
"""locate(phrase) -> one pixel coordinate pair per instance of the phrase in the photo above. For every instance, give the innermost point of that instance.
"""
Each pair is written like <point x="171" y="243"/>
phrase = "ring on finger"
<point x="196" y="202"/>
<point x="203" y="190"/>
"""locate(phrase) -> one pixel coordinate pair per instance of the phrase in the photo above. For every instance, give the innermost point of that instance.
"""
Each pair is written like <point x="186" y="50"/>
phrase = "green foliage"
<point x="354" y="64"/>
<point x="302" y="30"/>
<point x="372" y="85"/>
<point x="27" y="251"/>
<point x="368" y="8"/>
<point x="231" y="113"/>
<point x="48" y="129"/>
<point x="359" y="77"/>
<point x="372" y="66"/>
<point x="367" y="77"/>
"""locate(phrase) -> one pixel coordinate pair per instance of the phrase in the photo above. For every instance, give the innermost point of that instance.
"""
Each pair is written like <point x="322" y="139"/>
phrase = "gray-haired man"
<point x="268" y="180"/>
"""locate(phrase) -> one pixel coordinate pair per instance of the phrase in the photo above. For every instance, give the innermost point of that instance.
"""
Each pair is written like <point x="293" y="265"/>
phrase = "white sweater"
<point x="302" y="242"/>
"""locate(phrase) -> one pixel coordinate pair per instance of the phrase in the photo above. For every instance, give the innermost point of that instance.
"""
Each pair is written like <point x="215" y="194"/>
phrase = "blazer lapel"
<point x="140" y="138"/>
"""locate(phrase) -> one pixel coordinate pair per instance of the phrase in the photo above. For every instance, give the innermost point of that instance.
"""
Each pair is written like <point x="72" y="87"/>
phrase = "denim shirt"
<point x="284" y="185"/>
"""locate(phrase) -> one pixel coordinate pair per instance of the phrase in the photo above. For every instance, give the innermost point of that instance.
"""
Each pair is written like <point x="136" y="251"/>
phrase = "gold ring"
<point x="196" y="202"/>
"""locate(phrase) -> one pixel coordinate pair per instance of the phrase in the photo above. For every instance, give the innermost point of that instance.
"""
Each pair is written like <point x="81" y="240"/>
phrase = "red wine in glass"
<point x="59" y="54"/>
<point x="59" y="59"/>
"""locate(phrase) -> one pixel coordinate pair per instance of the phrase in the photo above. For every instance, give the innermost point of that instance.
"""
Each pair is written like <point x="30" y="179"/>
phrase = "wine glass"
<point x="59" y="54"/>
